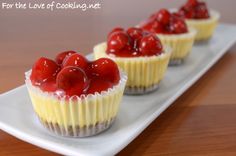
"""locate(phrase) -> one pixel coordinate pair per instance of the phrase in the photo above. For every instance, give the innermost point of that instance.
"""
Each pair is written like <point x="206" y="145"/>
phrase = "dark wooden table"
<point x="201" y="122"/>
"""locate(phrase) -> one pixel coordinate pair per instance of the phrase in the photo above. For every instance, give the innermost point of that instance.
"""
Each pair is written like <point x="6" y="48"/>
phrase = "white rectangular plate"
<point x="136" y="112"/>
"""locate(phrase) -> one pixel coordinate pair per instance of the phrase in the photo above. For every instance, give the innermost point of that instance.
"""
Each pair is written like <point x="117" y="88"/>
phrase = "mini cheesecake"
<point x="173" y="32"/>
<point x="73" y="96"/>
<point x="198" y="16"/>
<point x="140" y="54"/>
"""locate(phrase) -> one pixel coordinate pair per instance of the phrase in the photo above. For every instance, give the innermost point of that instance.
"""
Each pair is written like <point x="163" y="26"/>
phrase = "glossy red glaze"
<point x="178" y="26"/>
<point x="117" y="29"/>
<point x="150" y="44"/>
<point x="194" y="9"/>
<point x="75" y="60"/>
<point x="98" y="85"/>
<point x="61" y="56"/>
<point x="164" y="22"/>
<point x="118" y="41"/>
<point x="75" y="76"/>
<point x="127" y="43"/>
<point x="135" y="33"/>
<point x="50" y="86"/>
<point x="72" y="80"/>
<point x="44" y="70"/>
<point x="163" y="16"/>
<point x="105" y="69"/>
<point x="153" y="26"/>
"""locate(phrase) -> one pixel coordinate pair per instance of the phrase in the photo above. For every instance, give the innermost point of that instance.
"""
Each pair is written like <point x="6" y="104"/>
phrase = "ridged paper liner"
<point x="143" y="72"/>
<point x="76" y="116"/>
<point x="181" y="44"/>
<point x="204" y="27"/>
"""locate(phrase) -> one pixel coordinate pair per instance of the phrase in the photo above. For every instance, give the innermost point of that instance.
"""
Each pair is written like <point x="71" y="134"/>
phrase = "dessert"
<point x="173" y="32"/>
<point x="199" y="17"/>
<point x="140" y="54"/>
<point x="73" y="96"/>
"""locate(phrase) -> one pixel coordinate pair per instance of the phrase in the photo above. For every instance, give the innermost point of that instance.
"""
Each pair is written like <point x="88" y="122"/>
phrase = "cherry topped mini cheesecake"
<point x="140" y="54"/>
<point x="199" y="17"/>
<point x="173" y="32"/>
<point x="73" y="96"/>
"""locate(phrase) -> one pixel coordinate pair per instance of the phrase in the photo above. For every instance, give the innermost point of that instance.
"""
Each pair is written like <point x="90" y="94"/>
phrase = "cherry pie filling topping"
<point x="133" y="42"/>
<point x="194" y="9"/>
<point x="165" y="22"/>
<point x="72" y="74"/>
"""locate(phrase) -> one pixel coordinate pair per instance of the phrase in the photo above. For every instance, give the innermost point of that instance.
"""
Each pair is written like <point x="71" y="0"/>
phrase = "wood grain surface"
<point x="201" y="122"/>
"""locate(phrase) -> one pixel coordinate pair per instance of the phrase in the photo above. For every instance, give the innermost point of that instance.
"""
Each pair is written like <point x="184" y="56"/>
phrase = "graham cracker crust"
<point x="140" y="90"/>
<point x="176" y="62"/>
<point x="69" y="131"/>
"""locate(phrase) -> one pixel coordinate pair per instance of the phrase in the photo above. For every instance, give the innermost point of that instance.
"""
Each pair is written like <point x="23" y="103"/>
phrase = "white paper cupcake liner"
<point x="77" y="116"/>
<point x="181" y="44"/>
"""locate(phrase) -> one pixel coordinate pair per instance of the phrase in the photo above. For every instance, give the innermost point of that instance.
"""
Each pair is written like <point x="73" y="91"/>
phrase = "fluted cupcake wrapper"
<point x="204" y="27"/>
<point x="181" y="44"/>
<point x="144" y="73"/>
<point x="77" y="116"/>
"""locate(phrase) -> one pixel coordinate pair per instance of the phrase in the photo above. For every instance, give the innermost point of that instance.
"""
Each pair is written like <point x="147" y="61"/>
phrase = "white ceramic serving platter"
<point x="136" y="112"/>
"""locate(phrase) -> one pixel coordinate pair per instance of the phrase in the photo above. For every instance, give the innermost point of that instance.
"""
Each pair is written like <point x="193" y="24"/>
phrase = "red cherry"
<point x="178" y="26"/>
<point x="117" y="29"/>
<point x="181" y="12"/>
<point x="157" y="27"/>
<point x="177" y="15"/>
<point x="202" y="11"/>
<point x="135" y="33"/>
<point x="147" y="25"/>
<point x="44" y="70"/>
<point x="186" y="12"/>
<point x="49" y="86"/>
<point x="72" y="80"/>
<point x="153" y="26"/>
<point x="163" y="16"/>
<point x="61" y="56"/>
<point x="76" y="60"/>
<point x="98" y="85"/>
<point x="192" y="3"/>
<point x="118" y="41"/>
<point x="150" y="45"/>
<point x="189" y="13"/>
<point x="105" y="69"/>
<point x="130" y="51"/>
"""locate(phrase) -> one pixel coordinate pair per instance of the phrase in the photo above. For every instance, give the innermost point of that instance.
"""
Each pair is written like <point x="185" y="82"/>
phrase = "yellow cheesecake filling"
<point x="75" y="111"/>
<point x="205" y="27"/>
<point x="141" y="71"/>
<point x="181" y="44"/>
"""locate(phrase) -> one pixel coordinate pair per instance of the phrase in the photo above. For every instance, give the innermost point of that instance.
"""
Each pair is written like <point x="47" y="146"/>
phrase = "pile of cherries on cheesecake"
<point x="165" y="22"/>
<point x="194" y="9"/>
<point x="72" y="74"/>
<point x="133" y="42"/>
